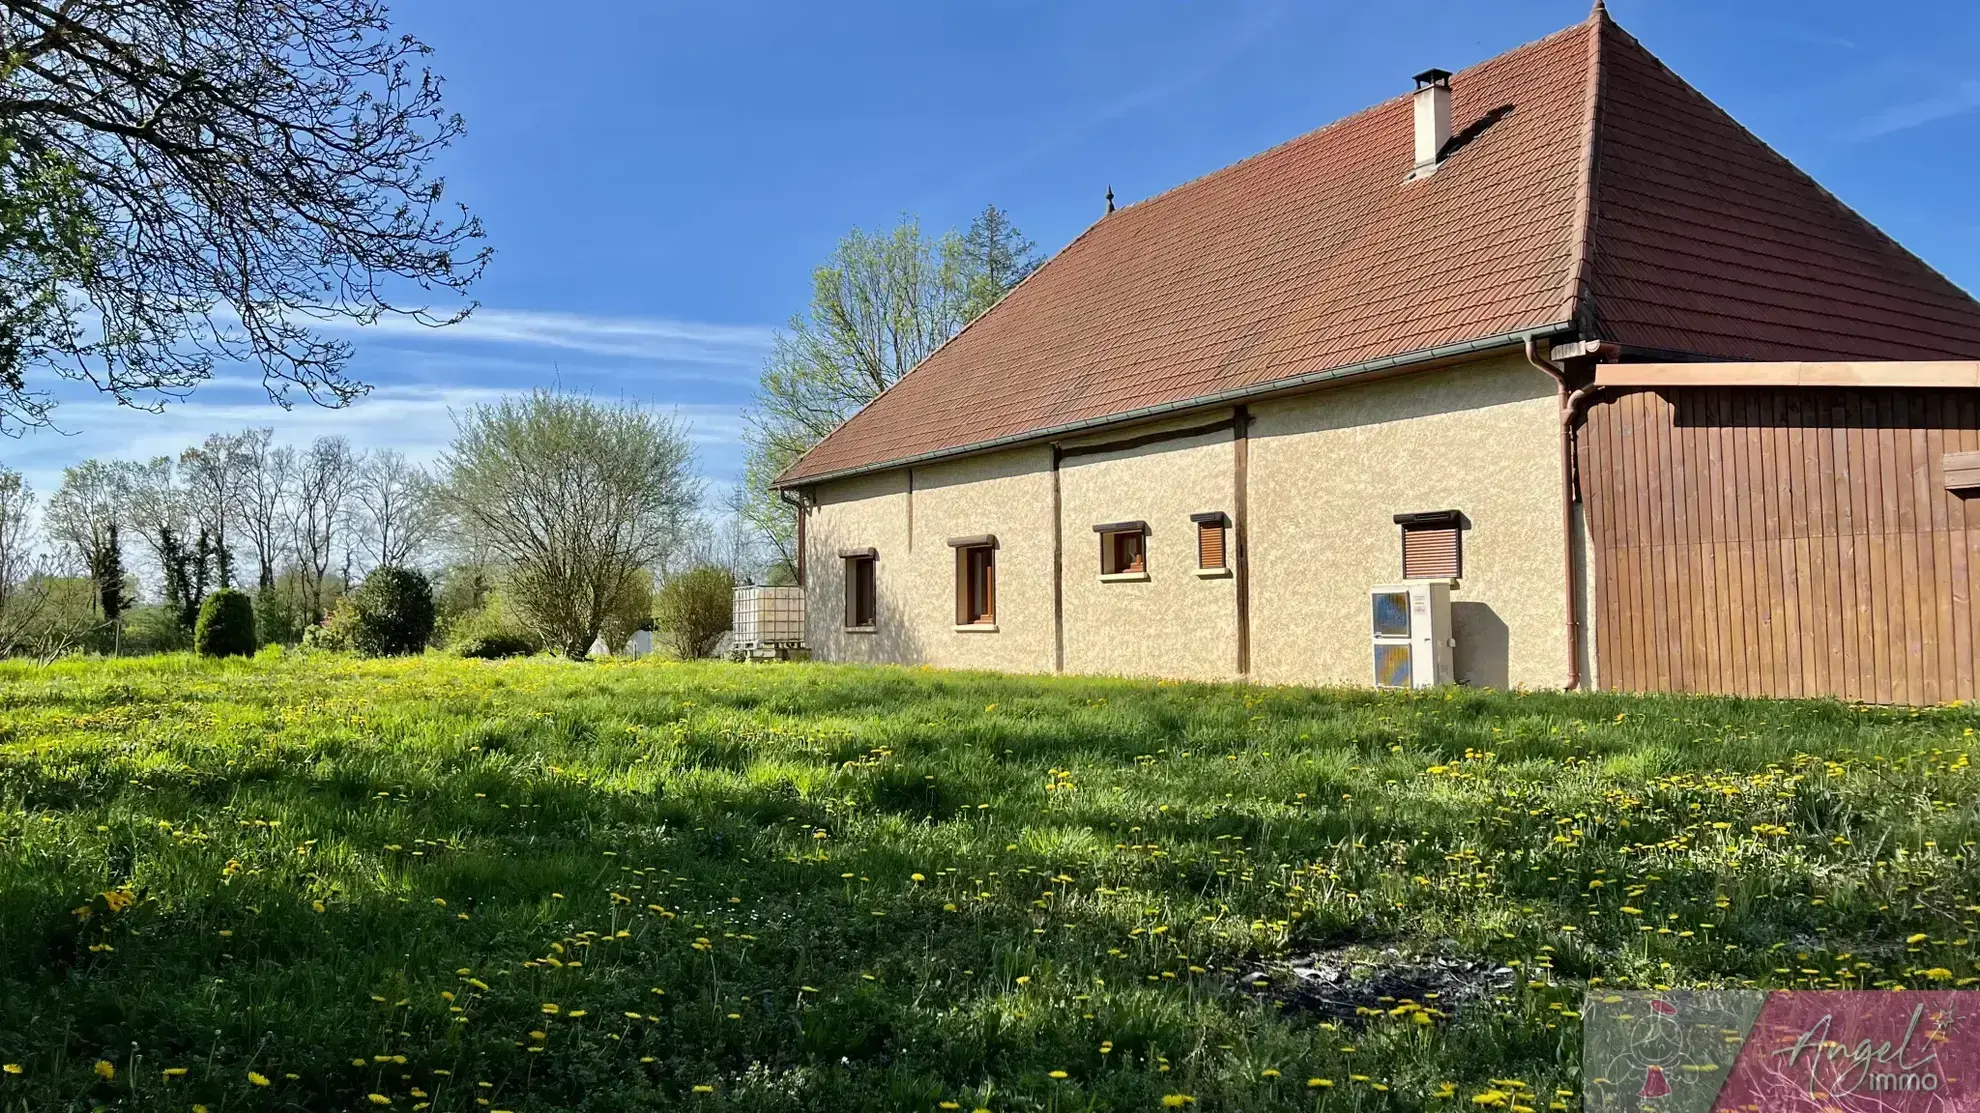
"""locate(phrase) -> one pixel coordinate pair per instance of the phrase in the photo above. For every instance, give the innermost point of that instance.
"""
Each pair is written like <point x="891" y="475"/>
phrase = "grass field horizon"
<point x="315" y="882"/>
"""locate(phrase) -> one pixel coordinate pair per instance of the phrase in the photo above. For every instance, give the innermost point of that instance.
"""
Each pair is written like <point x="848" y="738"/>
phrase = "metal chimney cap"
<point x="1433" y="77"/>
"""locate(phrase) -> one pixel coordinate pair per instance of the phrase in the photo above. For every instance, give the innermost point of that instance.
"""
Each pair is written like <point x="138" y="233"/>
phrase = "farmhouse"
<point x="1547" y="373"/>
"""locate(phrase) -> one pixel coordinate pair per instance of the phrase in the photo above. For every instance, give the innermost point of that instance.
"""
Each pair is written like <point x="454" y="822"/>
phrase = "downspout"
<point x="1568" y="400"/>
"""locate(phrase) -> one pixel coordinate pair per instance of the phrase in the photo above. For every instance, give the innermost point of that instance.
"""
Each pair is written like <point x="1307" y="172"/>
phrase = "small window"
<point x="862" y="598"/>
<point x="1123" y="548"/>
<point x="976" y="585"/>
<point x="1212" y="534"/>
<point x="1432" y="545"/>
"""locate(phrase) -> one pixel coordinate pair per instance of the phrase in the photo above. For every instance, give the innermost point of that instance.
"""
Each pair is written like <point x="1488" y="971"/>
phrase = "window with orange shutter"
<point x="1212" y="533"/>
<point x="1432" y="545"/>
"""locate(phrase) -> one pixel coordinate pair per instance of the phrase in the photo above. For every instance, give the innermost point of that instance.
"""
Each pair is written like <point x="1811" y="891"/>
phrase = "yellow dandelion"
<point x="1319" y="1083"/>
<point x="1055" y="1074"/>
<point x="704" y="1089"/>
<point x="1176" y="1101"/>
<point x="172" y="1072"/>
<point x="13" y="1068"/>
<point x="257" y="1078"/>
<point x="1268" y="1072"/>
<point x="378" y="1099"/>
<point x="104" y="1070"/>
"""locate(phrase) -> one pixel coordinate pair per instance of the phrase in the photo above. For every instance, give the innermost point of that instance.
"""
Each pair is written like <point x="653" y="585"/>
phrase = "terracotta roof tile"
<point x="1677" y="230"/>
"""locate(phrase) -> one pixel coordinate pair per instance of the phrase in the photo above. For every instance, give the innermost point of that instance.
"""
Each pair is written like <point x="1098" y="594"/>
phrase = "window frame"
<point x="1221" y="522"/>
<point x="972" y="554"/>
<point x="862" y="599"/>
<point x="1115" y="547"/>
<point x="1441" y="521"/>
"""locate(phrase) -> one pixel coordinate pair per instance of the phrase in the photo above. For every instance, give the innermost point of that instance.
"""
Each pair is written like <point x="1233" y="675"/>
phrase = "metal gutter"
<point x="1515" y="339"/>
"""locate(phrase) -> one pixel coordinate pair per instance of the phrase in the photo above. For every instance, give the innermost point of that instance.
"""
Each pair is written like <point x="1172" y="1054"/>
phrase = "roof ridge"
<point x="1576" y="305"/>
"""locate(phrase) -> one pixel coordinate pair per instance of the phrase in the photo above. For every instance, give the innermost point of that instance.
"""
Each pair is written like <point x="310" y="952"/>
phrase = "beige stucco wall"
<point x="1008" y="495"/>
<point x="1175" y="623"/>
<point x="1329" y="471"/>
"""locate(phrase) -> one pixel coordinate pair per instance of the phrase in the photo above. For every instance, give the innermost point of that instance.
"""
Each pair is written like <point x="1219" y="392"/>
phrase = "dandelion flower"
<point x="12" y="1068"/>
<point x="1176" y="1101"/>
<point x="172" y="1072"/>
<point x="1056" y="1074"/>
<point x="704" y="1089"/>
<point x="257" y="1078"/>
<point x="1319" y="1083"/>
<point x="378" y="1099"/>
<point x="104" y="1070"/>
<point x="1268" y="1072"/>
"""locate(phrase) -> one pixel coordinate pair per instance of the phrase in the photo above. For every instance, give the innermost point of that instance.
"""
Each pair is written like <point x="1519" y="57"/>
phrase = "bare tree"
<point x="215" y="475"/>
<point x="393" y="507"/>
<point x="268" y="471"/>
<point x="82" y="518"/>
<point x="155" y="507"/>
<point x="325" y="475"/>
<point x="579" y="499"/>
<point x="84" y="511"/>
<point x="16" y="535"/>
<point x="220" y="176"/>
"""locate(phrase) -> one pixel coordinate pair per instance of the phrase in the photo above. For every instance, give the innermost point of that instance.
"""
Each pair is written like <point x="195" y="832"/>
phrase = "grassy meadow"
<point x="319" y="883"/>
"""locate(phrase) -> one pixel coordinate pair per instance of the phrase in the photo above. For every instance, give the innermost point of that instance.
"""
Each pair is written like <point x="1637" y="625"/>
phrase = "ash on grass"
<point x="315" y="883"/>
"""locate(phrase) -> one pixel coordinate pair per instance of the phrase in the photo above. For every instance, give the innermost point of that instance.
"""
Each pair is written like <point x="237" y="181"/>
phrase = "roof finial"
<point x="1110" y="198"/>
<point x="1599" y="11"/>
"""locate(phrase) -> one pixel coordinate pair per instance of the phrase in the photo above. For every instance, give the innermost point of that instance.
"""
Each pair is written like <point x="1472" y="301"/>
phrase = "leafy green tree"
<point x="391" y="612"/>
<point x="576" y="499"/>
<point x="694" y="609"/>
<point x="226" y="625"/>
<point x="879" y="306"/>
<point x="630" y="613"/>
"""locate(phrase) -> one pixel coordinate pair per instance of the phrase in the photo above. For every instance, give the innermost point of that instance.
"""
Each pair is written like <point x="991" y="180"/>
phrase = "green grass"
<point x="463" y="885"/>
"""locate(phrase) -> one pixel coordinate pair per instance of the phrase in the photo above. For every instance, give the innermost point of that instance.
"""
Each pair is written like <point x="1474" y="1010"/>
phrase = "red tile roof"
<point x="1587" y="186"/>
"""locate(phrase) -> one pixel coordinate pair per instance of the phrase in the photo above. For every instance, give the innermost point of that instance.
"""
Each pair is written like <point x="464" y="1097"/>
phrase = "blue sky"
<point x="658" y="179"/>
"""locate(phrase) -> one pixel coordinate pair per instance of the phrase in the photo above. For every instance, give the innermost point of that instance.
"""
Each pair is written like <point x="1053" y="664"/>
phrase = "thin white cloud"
<point x="414" y="419"/>
<point x="1960" y="99"/>
<point x="646" y="338"/>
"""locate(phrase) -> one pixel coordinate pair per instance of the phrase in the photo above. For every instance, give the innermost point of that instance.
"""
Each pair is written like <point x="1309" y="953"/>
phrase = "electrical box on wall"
<point x="1410" y="624"/>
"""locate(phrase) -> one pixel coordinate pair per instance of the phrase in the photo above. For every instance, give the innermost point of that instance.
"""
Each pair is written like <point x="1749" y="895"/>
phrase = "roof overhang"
<point x="1844" y="373"/>
<point x="1423" y="359"/>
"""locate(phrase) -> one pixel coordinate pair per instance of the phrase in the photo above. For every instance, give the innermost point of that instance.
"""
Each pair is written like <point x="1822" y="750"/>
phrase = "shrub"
<point x="336" y="633"/>
<point x="630" y="612"/>
<point x="391" y="613"/>
<point x="277" y="617"/>
<point x="496" y="643"/>
<point x="225" y="627"/>
<point x="694" y="609"/>
<point x="492" y="630"/>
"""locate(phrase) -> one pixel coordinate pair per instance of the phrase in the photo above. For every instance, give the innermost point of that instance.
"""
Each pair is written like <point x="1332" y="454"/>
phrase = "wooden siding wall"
<point x="1783" y="542"/>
